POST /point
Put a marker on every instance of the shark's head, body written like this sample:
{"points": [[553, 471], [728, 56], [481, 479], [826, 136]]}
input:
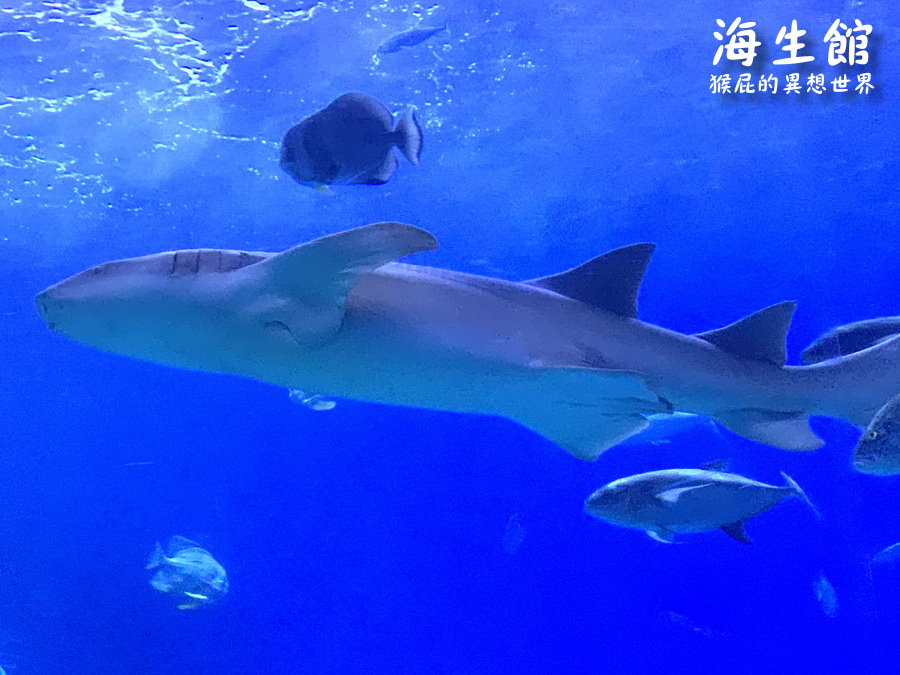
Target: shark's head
{"points": [[152, 308]]}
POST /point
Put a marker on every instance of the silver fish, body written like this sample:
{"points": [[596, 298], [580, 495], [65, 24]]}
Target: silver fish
{"points": [[187, 572], [851, 338], [826, 595], [669, 502], [878, 449], [409, 38]]}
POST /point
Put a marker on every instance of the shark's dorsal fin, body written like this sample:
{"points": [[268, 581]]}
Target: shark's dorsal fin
{"points": [[307, 285], [610, 281], [759, 336]]}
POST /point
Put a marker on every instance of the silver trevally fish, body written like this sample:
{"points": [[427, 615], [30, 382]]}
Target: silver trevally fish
{"points": [[851, 338], [826, 595], [564, 355], [350, 141], [878, 449], [187, 572], [669, 502], [409, 38]]}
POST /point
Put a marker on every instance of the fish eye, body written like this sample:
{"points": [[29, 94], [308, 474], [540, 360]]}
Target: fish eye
{"points": [[870, 435]]}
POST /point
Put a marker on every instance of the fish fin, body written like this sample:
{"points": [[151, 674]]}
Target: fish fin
{"points": [[718, 465], [322, 188], [662, 535], [306, 287], [759, 336], [672, 495], [410, 138], [736, 531], [179, 543], [587, 410], [797, 490], [157, 558], [610, 281], [382, 174], [783, 430]]}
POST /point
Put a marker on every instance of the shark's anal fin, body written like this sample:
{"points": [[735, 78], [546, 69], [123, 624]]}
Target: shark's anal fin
{"points": [[586, 410], [782, 430], [610, 281], [760, 336], [304, 289], [736, 531]]}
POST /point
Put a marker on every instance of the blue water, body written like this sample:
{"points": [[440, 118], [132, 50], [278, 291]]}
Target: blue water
{"points": [[372, 539]]}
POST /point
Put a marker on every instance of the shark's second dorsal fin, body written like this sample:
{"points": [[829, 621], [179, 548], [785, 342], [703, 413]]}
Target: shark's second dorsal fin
{"points": [[307, 285], [759, 336], [610, 281]]}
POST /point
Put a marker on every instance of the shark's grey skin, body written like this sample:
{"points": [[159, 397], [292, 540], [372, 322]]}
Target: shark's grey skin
{"points": [[564, 355], [187, 572], [665, 503], [878, 449], [851, 338], [408, 38], [350, 141]]}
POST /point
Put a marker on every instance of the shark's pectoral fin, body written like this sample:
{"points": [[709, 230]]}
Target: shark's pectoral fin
{"points": [[783, 430], [304, 289], [587, 410], [662, 535]]}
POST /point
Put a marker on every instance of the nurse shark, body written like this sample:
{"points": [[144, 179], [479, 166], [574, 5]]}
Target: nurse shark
{"points": [[564, 355]]}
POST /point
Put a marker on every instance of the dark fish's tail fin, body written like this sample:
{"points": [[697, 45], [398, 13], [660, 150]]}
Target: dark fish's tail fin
{"points": [[157, 558], [409, 136], [797, 490]]}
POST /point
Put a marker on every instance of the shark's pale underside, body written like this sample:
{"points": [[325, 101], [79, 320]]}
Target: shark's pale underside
{"points": [[564, 355]]}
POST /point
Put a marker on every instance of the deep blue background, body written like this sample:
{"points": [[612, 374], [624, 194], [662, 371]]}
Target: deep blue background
{"points": [[369, 538]]}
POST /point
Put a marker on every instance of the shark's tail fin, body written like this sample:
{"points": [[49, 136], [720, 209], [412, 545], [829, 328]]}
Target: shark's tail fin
{"points": [[797, 490]]}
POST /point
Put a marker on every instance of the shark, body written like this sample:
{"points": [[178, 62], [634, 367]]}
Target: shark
{"points": [[564, 355]]}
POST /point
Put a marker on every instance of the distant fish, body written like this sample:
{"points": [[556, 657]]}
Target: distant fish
{"points": [[664, 503], [311, 401], [513, 534], [850, 338], [888, 554], [826, 595], [187, 572], [349, 142], [878, 449], [665, 426], [408, 38]]}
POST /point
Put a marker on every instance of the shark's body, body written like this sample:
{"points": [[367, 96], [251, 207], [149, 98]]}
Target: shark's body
{"points": [[564, 355]]}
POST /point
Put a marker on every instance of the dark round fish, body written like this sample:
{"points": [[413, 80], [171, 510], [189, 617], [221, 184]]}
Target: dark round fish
{"points": [[878, 450], [851, 338], [350, 141]]}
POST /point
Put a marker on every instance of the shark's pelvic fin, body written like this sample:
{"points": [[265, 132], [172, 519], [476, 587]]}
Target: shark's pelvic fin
{"points": [[760, 336], [610, 281], [736, 531], [783, 430], [588, 410], [307, 286]]}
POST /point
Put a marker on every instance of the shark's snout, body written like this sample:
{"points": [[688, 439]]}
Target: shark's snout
{"points": [[47, 308]]}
